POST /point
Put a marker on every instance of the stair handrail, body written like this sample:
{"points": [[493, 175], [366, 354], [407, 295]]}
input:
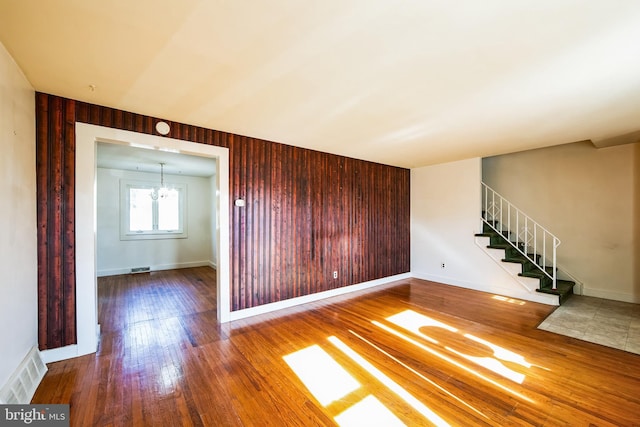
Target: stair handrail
{"points": [[531, 231]]}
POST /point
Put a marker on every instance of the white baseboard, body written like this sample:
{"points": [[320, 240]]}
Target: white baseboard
{"points": [[159, 267], [612, 295], [23, 383], [267, 308], [69, 351], [58, 354], [517, 292]]}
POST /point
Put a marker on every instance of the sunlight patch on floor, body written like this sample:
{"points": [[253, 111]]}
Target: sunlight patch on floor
{"points": [[493, 365], [414, 322], [450, 360], [509, 300], [501, 352], [321, 374], [328, 381], [421, 376], [388, 382], [369, 411]]}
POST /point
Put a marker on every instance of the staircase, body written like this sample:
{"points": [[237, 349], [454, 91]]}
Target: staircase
{"points": [[531, 245]]}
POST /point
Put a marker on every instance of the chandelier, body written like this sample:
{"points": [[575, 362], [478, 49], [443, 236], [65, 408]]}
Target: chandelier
{"points": [[162, 191]]}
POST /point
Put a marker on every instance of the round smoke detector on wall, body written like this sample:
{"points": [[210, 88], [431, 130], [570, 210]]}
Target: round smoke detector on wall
{"points": [[162, 128]]}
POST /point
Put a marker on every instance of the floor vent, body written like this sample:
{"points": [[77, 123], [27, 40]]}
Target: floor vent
{"points": [[24, 382], [140, 270]]}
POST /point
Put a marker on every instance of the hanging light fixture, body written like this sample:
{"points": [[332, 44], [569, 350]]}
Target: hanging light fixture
{"points": [[162, 191]]}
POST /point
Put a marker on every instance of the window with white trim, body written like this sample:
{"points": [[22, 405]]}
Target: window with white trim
{"points": [[149, 212]]}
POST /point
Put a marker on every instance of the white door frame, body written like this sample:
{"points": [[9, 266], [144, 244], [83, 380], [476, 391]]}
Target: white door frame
{"points": [[87, 137]]}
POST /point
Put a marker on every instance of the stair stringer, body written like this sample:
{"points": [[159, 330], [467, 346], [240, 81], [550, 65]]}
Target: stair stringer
{"points": [[526, 286]]}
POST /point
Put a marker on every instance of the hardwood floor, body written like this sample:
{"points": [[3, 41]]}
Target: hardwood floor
{"points": [[412, 352]]}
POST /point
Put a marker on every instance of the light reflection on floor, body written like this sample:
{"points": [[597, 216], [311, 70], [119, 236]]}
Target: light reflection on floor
{"points": [[170, 377], [321, 374], [328, 381], [493, 365], [371, 410], [451, 361], [388, 382], [416, 322], [419, 375], [145, 338], [412, 321], [501, 352], [509, 300]]}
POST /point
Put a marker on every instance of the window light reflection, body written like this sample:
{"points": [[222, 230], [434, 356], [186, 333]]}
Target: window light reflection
{"points": [[501, 352], [388, 382], [369, 411], [321, 374], [412, 321], [169, 378], [509, 300], [493, 365], [401, 363], [450, 360]]}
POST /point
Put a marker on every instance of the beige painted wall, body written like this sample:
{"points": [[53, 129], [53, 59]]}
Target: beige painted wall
{"points": [[445, 216], [115, 256], [18, 256], [585, 196]]}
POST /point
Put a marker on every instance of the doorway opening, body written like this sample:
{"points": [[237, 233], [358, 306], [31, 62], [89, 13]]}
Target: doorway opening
{"points": [[87, 139]]}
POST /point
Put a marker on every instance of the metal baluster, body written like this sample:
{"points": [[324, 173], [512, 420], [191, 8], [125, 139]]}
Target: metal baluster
{"points": [[509, 217], [493, 206], [501, 219], [525, 241], [554, 265], [517, 227], [535, 243], [526, 233], [544, 252]]}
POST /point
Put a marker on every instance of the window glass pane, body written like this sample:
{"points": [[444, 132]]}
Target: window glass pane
{"points": [[140, 209], [169, 211], [146, 217]]}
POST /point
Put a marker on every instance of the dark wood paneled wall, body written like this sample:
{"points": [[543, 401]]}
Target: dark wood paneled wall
{"points": [[307, 214], [55, 169]]}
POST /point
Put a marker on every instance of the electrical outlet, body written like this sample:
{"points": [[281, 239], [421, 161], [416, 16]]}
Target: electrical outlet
{"points": [[335, 274], [442, 265]]}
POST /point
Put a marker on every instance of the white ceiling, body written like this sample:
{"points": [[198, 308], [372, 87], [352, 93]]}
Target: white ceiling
{"points": [[406, 83], [124, 157]]}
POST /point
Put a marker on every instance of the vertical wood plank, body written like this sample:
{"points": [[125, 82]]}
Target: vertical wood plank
{"points": [[69, 253], [55, 318], [42, 194]]}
